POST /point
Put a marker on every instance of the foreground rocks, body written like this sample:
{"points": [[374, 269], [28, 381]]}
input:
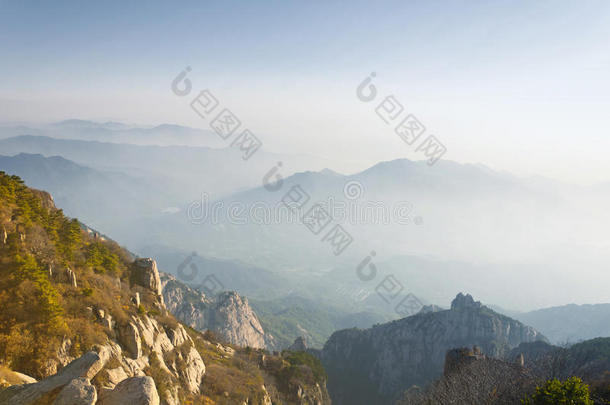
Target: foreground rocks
{"points": [[143, 344], [85, 367], [72, 386], [170, 351], [78, 392], [144, 273], [132, 391]]}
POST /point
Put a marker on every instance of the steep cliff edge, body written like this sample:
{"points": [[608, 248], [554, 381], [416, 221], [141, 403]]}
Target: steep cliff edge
{"points": [[376, 365]]}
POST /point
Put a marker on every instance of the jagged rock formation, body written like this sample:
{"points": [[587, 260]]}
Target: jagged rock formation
{"points": [[232, 317], [228, 315], [150, 344], [376, 365]]}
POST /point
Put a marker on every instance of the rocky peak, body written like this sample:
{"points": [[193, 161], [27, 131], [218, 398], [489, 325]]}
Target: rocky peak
{"points": [[46, 199], [231, 298], [464, 301], [235, 319], [229, 315]]}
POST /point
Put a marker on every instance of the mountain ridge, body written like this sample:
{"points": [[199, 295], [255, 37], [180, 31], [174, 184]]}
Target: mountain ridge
{"points": [[392, 357]]}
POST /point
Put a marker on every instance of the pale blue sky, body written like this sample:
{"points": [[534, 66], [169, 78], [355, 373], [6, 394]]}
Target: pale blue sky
{"points": [[517, 85]]}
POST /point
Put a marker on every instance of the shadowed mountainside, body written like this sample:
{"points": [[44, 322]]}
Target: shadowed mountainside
{"points": [[377, 365]]}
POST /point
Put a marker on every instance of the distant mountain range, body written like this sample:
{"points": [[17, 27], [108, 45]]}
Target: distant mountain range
{"points": [[464, 223], [116, 132], [296, 286], [97, 196], [570, 324]]}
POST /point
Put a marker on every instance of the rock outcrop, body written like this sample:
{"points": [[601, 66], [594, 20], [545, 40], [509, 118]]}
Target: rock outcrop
{"points": [[171, 349], [129, 336], [78, 392], [145, 273], [71, 277], [132, 391], [228, 315], [376, 365], [45, 198], [232, 317], [85, 367]]}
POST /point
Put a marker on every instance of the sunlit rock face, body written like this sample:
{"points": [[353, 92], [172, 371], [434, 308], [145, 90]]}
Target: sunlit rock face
{"points": [[229, 315]]}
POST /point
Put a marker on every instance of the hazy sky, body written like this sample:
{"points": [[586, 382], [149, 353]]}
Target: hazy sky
{"points": [[517, 85]]}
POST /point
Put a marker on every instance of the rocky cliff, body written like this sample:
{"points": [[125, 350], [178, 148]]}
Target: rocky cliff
{"points": [[228, 315], [376, 365], [82, 322]]}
